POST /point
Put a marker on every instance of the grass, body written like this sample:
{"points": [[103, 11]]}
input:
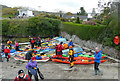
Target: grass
{"points": [[20, 40]]}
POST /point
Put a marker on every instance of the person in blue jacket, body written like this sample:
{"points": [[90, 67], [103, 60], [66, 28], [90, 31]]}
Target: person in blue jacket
{"points": [[97, 58], [70, 43]]}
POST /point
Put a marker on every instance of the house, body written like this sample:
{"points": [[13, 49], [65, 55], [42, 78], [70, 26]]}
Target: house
{"points": [[91, 15], [25, 13], [84, 18]]}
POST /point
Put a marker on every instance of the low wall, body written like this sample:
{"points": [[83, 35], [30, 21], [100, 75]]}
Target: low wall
{"points": [[91, 45]]}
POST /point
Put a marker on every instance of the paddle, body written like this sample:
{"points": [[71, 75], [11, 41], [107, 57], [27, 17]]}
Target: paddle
{"points": [[40, 74]]}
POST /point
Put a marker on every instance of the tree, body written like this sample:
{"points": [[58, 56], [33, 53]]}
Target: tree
{"points": [[69, 13], [82, 11], [109, 15], [78, 20]]}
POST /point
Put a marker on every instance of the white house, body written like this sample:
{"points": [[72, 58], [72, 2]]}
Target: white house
{"points": [[25, 13], [90, 15]]}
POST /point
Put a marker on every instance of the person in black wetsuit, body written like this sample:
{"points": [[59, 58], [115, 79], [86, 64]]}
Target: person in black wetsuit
{"points": [[39, 42], [28, 55]]}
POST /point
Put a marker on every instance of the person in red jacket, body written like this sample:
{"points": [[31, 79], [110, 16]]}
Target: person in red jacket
{"points": [[22, 77], [59, 50], [6, 52], [35, 38], [32, 43]]}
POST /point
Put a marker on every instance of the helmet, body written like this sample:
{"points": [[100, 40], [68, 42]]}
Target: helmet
{"points": [[20, 71], [70, 46], [33, 58]]}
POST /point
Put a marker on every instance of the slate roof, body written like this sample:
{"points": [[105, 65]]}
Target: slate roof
{"points": [[74, 16]]}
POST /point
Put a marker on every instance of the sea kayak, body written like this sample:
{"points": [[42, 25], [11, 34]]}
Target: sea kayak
{"points": [[77, 58], [86, 62], [80, 54], [84, 55], [22, 58]]}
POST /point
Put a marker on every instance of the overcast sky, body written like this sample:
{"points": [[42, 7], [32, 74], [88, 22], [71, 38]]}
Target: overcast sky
{"points": [[54, 5]]}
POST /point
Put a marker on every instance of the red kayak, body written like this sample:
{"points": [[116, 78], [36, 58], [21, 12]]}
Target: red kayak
{"points": [[77, 58], [75, 62]]}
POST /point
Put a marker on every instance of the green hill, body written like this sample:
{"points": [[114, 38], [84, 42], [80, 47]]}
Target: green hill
{"points": [[9, 12]]}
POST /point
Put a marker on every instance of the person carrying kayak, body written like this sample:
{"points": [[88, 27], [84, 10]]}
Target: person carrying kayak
{"points": [[32, 43], [22, 77], [97, 58], [33, 69], [70, 43], [16, 46], [7, 52], [9, 43], [28, 55], [59, 50], [71, 56]]}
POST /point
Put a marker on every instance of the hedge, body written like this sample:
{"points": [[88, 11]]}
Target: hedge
{"points": [[101, 34], [85, 32], [33, 26]]}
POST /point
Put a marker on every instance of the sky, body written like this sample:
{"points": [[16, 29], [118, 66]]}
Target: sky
{"points": [[54, 5]]}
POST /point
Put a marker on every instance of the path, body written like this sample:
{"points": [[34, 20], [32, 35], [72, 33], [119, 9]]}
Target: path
{"points": [[52, 70]]}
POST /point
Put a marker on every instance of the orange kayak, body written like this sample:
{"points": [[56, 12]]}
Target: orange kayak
{"points": [[75, 62], [77, 58]]}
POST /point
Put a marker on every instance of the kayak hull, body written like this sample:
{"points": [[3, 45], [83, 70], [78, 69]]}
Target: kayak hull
{"points": [[75, 62], [80, 57]]}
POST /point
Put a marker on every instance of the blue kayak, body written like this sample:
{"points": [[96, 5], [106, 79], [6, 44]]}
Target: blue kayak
{"points": [[77, 49]]}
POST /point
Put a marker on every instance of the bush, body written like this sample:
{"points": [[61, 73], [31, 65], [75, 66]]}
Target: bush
{"points": [[78, 20], [34, 26], [101, 34], [14, 27], [107, 41], [85, 32], [89, 23]]}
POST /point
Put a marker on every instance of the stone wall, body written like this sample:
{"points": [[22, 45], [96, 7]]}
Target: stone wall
{"points": [[91, 45]]}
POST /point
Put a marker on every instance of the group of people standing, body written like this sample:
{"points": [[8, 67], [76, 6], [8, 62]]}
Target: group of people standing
{"points": [[97, 56], [35, 41], [61, 47], [7, 48], [32, 65], [71, 52], [32, 70]]}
